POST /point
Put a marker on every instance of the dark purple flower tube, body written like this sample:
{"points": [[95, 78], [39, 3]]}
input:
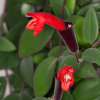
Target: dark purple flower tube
{"points": [[68, 35], [58, 90]]}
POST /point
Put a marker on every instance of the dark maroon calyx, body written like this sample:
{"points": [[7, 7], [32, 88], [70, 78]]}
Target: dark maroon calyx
{"points": [[68, 36]]}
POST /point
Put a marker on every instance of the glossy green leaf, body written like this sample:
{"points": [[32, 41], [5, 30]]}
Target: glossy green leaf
{"points": [[2, 87], [57, 7], [67, 52], [98, 98], [86, 70], [55, 51], [70, 5], [98, 16], [25, 96], [16, 80], [12, 60], [15, 32], [90, 26], [88, 89], [25, 8], [84, 10], [12, 97], [30, 45], [37, 58], [73, 18], [14, 17], [92, 55], [26, 70], [69, 60], [66, 96], [40, 98], [12, 6], [78, 21], [6, 45], [43, 77], [32, 2]]}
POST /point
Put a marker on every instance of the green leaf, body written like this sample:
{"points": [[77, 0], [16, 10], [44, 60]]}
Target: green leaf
{"points": [[6, 45], [30, 45], [37, 58], [88, 89], [2, 87], [32, 2], [12, 60], [15, 32], [98, 16], [68, 52], [12, 97], [90, 26], [55, 51], [26, 70], [16, 80], [43, 76], [14, 17], [84, 10], [66, 96], [57, 7], [70, 5], [92, 55], [25, 8], [86, 70], [40, 98], [25, 96], [69, 60], [78, 21]]}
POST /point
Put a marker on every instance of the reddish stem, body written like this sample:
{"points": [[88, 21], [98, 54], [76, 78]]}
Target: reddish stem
{"points": [[7, 75], [77, 58], [23, 85], [94, 46], [43, 4], [60, 40]]}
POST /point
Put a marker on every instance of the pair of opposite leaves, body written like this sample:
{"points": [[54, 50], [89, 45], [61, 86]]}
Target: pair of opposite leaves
{"points": [[66, 31]]}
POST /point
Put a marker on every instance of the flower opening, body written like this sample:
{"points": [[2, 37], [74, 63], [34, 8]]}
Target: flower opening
{"points": [[65, 75]]}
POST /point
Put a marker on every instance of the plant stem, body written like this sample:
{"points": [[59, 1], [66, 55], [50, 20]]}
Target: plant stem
{"points": [[23, 85], [7, 75], [35, 8], [60, 40], [77, 58], [94, 46], [1, 28], [62, 12], [91, 44], [43, 4]]}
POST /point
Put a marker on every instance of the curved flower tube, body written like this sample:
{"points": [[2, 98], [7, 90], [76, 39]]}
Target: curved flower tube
{"points": [[65, 75], [41, 18]]}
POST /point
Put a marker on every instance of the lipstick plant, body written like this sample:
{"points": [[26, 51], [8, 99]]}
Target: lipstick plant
{"points": [[52, 49]]}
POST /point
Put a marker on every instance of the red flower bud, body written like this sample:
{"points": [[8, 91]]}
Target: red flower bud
{"points": [[40, 18], [65, 75]]}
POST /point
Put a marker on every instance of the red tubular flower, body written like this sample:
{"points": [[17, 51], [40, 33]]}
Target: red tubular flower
{"points": [[65, 75], [40, 18]]}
